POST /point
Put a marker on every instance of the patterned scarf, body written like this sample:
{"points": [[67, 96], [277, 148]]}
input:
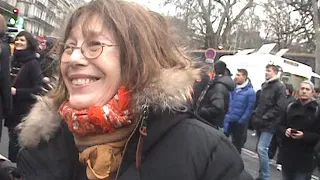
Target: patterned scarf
{"points": [[111, 121], [99, 119]]}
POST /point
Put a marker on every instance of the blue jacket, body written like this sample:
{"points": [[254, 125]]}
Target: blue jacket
{"points": [[242, 103]]}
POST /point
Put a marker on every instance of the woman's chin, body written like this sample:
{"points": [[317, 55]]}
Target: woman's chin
{"points": [[81, 102]]}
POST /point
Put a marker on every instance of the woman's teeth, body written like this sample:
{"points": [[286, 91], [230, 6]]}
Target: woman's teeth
{"points": [[83, 81]]}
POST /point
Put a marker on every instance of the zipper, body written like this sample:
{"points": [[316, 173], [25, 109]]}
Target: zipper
{"points": [[125, 147], [142, 118]]}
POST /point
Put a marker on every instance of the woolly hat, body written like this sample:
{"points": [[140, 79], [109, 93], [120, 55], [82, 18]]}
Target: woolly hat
{"points": [[220, 67]]}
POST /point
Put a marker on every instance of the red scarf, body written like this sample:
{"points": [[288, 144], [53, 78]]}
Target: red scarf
{"points": [[99, 119]]}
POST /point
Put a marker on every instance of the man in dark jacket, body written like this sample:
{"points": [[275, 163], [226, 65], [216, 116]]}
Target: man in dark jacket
{"points": [[299, 130], [213, 102], [5, 79], [275, 140], [270, 108], [242, 102]]}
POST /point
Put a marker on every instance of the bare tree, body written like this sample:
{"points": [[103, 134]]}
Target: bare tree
{"points": [[310, 11], [211, 20], [283, 25], [316, 24], [246, 32]]}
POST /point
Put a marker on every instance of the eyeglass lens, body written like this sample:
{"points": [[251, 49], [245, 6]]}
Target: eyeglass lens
{"points": [[91, 49]]}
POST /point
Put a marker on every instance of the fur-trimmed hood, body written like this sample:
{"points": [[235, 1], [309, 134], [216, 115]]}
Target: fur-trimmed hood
{"points": [[170, 90]]}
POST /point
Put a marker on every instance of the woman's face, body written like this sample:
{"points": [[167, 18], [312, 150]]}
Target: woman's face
{"points": [[90, 81], [21, 43]]}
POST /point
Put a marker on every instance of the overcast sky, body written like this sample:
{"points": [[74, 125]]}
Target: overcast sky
{"points": [[157, 6]]}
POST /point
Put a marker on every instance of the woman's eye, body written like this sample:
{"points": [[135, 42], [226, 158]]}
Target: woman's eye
{"points": [[68, 49], [93, 46]]}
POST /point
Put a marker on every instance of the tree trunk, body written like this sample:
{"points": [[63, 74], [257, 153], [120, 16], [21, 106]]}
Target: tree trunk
{"points": [[317, 31]]}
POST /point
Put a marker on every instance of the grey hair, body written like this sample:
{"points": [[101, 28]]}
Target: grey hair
{"points": [[308, 82]]}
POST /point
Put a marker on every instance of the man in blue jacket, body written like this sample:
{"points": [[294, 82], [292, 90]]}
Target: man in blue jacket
{"points": [[242, 102]]}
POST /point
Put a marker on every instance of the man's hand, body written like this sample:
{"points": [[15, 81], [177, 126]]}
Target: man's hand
{"points": [[8, 171], [288, 132], [297, 135], [13, 91]]}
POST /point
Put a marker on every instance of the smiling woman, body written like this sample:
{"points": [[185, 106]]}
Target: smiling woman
{"points": [[120, 109]]}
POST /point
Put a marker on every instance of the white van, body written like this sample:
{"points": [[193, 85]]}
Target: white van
{"points": [[255, 63]]}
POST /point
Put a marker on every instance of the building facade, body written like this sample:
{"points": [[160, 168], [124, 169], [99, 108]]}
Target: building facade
{"points": [[41, 17], [6, 8]]}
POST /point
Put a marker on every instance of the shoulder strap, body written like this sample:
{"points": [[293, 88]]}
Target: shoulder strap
{"points": [[17, 76], [288, 107], [203, 93]]}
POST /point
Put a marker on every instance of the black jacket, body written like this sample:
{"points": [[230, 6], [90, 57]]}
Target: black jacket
{"points": [[5, 83], [270, 107], [28, 84], [176, 147], [297, 154], [215, 104], [290, 99]]}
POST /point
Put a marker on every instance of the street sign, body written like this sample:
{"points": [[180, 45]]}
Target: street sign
{"points": [[210, 53], [210, 61]]}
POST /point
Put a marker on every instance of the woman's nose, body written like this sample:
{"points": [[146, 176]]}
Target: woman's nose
{"points": [[77, 59]]}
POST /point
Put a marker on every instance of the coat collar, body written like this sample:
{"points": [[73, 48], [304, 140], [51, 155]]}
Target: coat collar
{"points": [[170, 91]]}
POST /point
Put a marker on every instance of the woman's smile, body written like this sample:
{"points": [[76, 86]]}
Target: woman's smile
{"points": [[83, 80]]}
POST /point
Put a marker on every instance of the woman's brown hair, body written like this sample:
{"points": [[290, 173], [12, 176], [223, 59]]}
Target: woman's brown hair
{"points": [[145, 44], [3, 24]]}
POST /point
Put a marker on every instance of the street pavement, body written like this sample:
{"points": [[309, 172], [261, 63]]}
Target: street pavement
{"points": [[250, 158]]}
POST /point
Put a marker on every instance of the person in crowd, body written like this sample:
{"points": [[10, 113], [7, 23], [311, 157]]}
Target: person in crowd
{"points": [[119, 110], [204, 78], [270, 108], [48, 63], [299, 130], [5, 88], [242, 102], [276, 142], [48, 58], [317, 94], [213, 102], [27, 81]]}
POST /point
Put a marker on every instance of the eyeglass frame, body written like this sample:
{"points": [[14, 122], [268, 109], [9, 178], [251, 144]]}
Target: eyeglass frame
{"points": [[82, 51]]}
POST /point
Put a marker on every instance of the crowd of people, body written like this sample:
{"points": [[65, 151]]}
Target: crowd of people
{"points": [[128, 103], [23, 75]]}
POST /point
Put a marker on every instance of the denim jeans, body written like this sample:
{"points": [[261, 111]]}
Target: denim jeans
{"points": [[263, 148], [294, 175]]}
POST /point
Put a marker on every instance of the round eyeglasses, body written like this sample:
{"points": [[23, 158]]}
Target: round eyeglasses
{"points": [[89, 49]]}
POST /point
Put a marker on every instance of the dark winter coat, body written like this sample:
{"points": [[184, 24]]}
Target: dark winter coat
{"points": [[27, 84], [177, 146], [270, 107], [215, 103], [5, 83], [297, 154], [242, 103]]}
